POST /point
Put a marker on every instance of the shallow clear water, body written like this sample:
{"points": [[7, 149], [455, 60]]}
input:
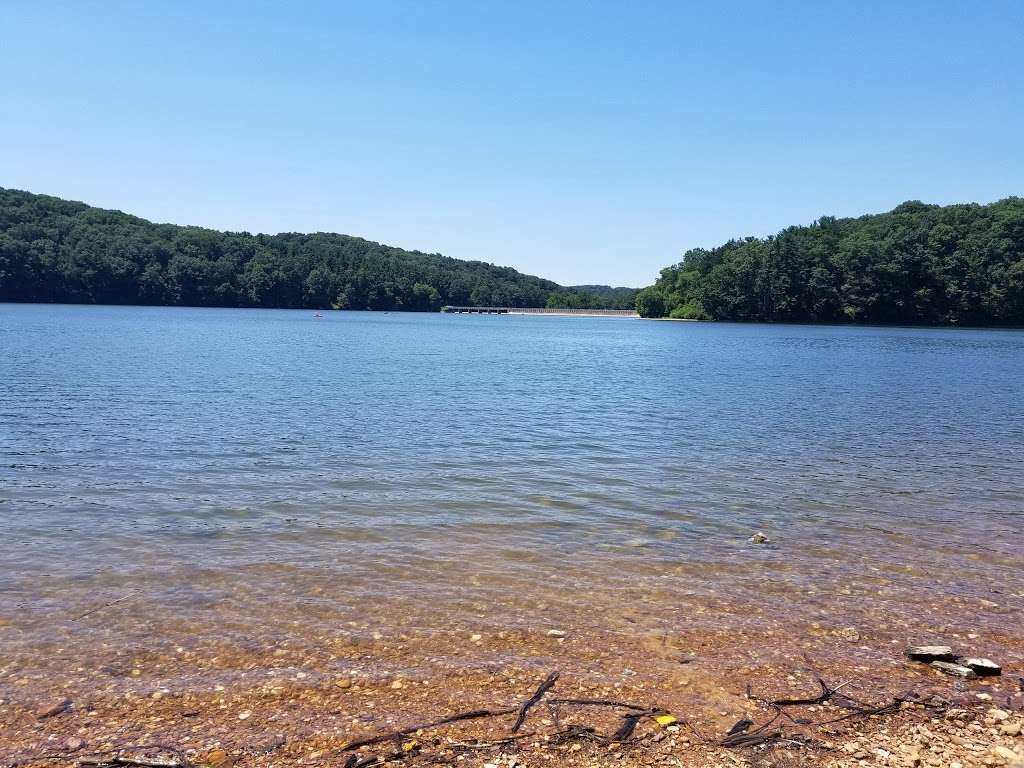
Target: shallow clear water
{"points": [[269, 464]]}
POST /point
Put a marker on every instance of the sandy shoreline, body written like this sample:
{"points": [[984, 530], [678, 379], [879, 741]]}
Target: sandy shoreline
{"points": [[204, 701]]}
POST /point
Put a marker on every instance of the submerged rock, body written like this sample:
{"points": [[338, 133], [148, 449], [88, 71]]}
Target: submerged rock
{"points": [[930, 653], [759, 538], [53, 708], [984, 667], [956, 670]]}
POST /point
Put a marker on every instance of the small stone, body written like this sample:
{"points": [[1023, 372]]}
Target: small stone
{"points": [[397, 685], [54, 708], [759, 538], [244, 714], [556, 633], [475, 638], [343, 682], [1010, 729], [930, 653], [955, 670], [850, 633], [984, 667], [984, 696], [216, 757], [1007, 755], [74, 743], [999, 715]]}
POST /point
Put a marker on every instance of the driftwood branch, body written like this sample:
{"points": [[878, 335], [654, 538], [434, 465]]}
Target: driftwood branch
{"points": [[471, 715], [98, 608], [544, 687]]}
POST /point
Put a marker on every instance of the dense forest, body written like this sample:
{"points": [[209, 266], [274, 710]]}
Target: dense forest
{"points": [[54, 250], [918, 264], [593, 297]]}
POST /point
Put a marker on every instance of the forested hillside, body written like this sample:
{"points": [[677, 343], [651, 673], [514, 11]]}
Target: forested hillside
{"points": [[918, 264], [54, 250], [593, 297]]}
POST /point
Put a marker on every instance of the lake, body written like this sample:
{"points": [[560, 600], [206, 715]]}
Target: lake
{"points": [[246, 478]]}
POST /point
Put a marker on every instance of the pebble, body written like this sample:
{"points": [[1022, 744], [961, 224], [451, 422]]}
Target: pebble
{"points": [[74, 743], [244, 715], [759, 538], [1010, 729], [475, 638], [999, 715], [397, 684], [556, 633], [343, 682]]}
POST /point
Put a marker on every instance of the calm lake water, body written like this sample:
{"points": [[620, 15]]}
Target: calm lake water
{"points": [[274, 467]]}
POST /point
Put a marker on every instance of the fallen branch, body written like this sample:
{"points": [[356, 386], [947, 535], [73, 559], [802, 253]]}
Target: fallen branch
{"points": [[107, 605], [133, 761], [137, 759], [826, 694], [471, 715], [741, 726], [544, 687], [629, 723], [604, 703]]}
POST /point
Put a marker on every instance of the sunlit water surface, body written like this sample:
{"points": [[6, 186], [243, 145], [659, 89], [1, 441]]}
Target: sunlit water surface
{"points": [[272, 470]]}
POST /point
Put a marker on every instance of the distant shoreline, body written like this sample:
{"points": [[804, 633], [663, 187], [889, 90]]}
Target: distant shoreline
{"points": [[518, 311]]}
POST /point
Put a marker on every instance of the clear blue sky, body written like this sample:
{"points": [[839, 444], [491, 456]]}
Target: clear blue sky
{"points": [[589, 142]]}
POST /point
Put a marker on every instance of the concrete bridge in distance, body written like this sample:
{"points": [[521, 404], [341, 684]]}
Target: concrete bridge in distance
{"points": [[540, 311]]}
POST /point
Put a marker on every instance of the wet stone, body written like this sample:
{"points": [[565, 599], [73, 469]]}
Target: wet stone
{"points": [[956, 670], [53, 708], [930, 653], [984, 667]]}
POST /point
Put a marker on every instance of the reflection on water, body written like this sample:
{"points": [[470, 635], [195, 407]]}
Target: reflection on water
{"points": [[265, 469]]}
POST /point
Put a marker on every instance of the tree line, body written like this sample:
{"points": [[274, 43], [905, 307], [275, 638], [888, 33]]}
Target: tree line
{"points": [[918, 264], [54, 250]]}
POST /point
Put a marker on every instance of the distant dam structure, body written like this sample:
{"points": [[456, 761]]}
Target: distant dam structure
{"points": [[540, 311]]}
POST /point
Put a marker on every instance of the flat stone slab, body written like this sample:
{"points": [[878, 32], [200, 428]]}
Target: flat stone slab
{"points": [[956, 670], [983, 667], [930, 653]]}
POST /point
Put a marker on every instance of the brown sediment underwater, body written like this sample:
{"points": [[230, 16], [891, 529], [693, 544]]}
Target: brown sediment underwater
{"points": [[254, 678]]}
